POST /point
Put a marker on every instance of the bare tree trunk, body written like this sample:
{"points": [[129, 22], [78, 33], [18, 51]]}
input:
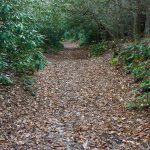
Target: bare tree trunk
{"points": [[147, 24], [135, 26], [141, 21]]}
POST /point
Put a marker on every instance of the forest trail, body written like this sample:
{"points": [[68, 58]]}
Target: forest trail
{"points": [[79, 106]]}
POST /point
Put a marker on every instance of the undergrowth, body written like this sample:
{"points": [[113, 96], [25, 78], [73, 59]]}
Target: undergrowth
{"points": [[20, 41], [97, 49], [135, 59]]}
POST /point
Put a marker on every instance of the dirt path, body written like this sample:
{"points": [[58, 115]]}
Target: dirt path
{"points": [[70, 46], [79, 106]]}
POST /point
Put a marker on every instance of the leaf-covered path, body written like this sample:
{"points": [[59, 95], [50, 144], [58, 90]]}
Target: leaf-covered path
{"points": [[79, 106]]}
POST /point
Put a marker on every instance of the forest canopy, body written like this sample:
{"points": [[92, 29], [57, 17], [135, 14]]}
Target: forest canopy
{"points": [[87, 20]]}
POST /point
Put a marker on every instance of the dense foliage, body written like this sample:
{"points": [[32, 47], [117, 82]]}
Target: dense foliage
{"points": [[136, 58], [49, 19], [97, 49], [107, 19], [19, 39]]}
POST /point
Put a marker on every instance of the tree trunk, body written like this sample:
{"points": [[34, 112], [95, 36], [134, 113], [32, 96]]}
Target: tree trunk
{"points": [[137, 20], [147, 24], [135, 26]]}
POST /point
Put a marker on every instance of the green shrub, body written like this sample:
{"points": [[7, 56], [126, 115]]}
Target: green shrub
{"points": [[136, 60], [114, 61], [141, 102], [134, 54], [131, 105], [29, 64], [3, 62], [82, 39], [5, 80], [141, 71], [49, 21], [145, 85], [97, 49], [19, 38]]}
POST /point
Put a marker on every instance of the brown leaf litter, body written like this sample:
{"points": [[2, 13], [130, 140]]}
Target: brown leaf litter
{"points": [[79, 105]]}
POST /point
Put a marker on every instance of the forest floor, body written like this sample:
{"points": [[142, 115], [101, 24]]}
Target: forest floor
{"points": [[79, 105]]}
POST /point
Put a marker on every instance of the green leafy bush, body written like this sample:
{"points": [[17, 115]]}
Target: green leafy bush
{"points": [[134, 54], [3, 62], [5, 80], [97, 49], [82, 39], [136, 59], [30, 64], [114, 61], [141, 71], [142, 101], [19, 38], [50, 23], [145, 85]]}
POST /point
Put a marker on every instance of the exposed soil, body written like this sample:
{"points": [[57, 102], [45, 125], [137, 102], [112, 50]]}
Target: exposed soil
{"points": [[70, 45], [79, 105]]}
